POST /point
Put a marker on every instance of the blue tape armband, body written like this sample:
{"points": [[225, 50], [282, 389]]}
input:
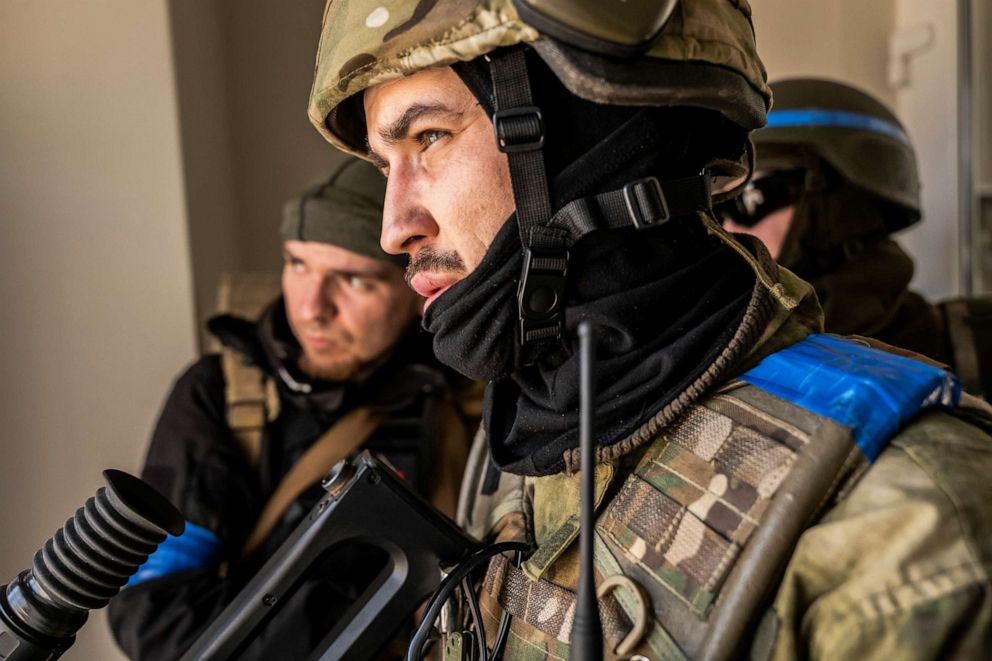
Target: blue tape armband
{"points": [[873, 392], [197, 547]]}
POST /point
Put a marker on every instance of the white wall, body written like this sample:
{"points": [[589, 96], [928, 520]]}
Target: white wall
{"points": [[95, 299]]}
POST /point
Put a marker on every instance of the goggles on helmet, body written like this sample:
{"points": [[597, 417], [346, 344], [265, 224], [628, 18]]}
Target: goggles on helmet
{"points": [[762, 196]]}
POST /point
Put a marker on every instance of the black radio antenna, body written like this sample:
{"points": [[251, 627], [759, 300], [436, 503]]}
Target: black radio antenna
{"points": [[587, 629]]}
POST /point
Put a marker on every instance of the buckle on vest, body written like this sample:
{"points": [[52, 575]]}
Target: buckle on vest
{"points": [[646, 202], [541, 295], [519, 129]]}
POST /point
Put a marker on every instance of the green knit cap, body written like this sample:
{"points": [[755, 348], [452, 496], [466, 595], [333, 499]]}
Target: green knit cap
{"points": [[344, 211]]}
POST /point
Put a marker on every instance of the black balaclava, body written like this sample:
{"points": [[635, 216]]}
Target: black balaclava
{"points": [[839, 241], [666, 301], [831, 215]]}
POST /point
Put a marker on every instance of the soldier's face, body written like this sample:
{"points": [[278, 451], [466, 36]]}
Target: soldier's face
{"points": [[449, 186], [345, 309]]}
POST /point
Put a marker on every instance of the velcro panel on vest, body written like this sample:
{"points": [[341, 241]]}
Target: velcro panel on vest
{"points": [[685, 522], [873, 392], [693, 502], [557, 526]]}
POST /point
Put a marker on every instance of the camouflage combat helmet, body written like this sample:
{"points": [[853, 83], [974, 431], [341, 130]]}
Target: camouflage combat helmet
{"points": [[692, 53], [673, 53], [848, 129]]}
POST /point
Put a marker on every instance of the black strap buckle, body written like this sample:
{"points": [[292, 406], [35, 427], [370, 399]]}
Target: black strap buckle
{"points": [[646, 202], [541, 295], [519, 129]]}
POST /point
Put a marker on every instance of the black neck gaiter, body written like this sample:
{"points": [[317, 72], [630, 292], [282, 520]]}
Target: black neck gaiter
{"points": [[665, 301]]}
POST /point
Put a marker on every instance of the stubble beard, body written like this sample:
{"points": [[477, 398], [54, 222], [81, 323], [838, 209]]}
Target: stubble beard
{"points": [[338, 369]]}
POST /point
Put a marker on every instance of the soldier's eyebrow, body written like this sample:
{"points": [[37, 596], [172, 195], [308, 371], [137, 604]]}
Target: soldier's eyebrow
{"points": [[378, 161], [398, 130]]}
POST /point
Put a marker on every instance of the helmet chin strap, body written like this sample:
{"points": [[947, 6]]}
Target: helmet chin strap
{"points": [[546, 236], [519, 128]]}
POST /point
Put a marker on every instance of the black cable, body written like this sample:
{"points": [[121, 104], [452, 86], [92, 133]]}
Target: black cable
{"points": [[504, 621], [415, 651], [482, 653]]}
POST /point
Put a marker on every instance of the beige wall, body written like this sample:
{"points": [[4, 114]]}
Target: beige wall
{"points": [[928, 107], [207, 162], [842, 39], [269, 52], [243, 71], [95, 299], [982, 36]]}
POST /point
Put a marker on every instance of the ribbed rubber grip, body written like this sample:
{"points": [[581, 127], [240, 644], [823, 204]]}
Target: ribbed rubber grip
{"points": [[92, 556]]}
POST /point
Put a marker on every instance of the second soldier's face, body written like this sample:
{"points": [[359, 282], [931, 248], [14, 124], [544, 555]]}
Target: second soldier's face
{"points": [[346, 310], [448, 190], [770, 230]]}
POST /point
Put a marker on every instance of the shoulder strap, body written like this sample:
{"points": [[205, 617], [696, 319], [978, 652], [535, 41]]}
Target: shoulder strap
{"points": [[334, 445], [447, 445], [250, 396], [969, 330], [250, 400]]}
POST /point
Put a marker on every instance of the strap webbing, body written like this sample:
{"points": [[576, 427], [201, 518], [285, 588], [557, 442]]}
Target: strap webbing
{"points": [[642, 204], [546, 606], [250, 399], [334, 445], [520, 134], [519, 129]]}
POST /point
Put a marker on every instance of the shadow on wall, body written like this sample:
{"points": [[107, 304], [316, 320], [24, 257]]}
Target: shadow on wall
{"points": [[243, 74]]}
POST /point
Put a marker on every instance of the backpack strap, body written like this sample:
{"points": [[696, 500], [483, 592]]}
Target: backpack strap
{"points": [[250, 399], [333, 445], [250, 396], [969, 331]]}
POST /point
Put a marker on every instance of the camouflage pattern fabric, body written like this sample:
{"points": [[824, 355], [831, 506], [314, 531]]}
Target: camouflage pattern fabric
{"points": [[696, 497], [367, 42], [549, 607], [891, 561], [900, 567], [903, 549]]}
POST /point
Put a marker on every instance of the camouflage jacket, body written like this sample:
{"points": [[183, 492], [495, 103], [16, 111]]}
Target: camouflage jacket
{"points": [[752, 524]]}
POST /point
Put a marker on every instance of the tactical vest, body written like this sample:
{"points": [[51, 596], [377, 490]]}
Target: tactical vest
{"points": [[694, 533]]}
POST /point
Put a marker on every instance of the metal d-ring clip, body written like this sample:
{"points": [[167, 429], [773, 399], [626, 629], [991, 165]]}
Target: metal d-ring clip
{"points": [[640, 622]]}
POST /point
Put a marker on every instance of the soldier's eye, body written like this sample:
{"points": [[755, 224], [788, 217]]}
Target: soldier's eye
{"points": [[429, 137], [359, 283]]}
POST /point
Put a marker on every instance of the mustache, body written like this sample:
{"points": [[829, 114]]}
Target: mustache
{"points": [[431, 259]]}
